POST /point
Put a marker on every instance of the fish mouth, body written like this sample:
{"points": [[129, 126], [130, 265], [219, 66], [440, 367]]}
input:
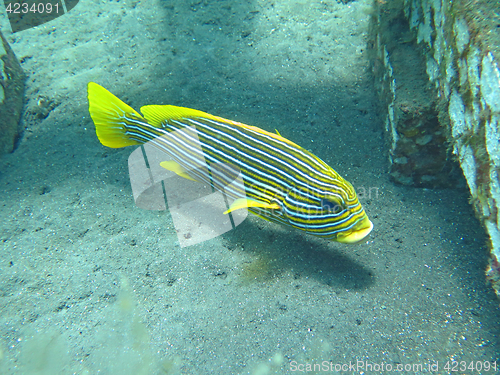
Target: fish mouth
{"points": [[357, 233]]}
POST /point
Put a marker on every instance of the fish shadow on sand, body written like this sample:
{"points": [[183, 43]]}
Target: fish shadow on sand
{"points": [[276, 252]]}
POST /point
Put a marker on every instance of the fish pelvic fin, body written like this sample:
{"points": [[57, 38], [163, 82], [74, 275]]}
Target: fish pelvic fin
{"points": [[111, 116], [247, 202], [175, 167]]}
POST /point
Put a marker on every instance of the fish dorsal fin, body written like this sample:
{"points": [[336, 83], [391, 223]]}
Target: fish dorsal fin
{"points": [[156, 115], [265, 132], [247, 202]]}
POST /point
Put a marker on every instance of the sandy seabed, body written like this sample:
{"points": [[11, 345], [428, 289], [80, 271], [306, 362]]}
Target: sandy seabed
{"points": [[90, 283]]}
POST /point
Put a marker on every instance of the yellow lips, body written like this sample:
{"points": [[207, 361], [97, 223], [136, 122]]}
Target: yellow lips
{"points": [[357, 233]]}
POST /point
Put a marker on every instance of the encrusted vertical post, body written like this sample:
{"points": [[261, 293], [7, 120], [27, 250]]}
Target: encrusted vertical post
{"points": [[459, 47]]}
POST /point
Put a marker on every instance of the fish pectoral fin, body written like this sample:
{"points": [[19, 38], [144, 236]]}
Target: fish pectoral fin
{"points": [[277, 132], [247, 202], [176, 168]]}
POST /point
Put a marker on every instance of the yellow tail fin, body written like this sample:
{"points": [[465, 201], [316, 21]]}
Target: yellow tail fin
{"points": [[110, 115]]}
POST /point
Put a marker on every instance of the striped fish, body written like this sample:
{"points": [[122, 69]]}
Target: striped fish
{"points": [[283, 182]]}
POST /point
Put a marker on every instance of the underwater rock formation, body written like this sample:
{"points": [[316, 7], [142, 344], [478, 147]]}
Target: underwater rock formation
{"points": [[12, 80], [459, 47]]}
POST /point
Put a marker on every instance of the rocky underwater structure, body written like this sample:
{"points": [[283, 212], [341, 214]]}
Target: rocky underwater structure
{"points": [[436, 67]]}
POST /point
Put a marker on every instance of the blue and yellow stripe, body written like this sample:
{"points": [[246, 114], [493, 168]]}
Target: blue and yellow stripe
{"points": [[284, 182]]}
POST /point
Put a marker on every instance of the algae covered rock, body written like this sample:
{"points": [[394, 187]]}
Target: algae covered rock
{"points": [[12, 80], [454, 116], [419, 151]]}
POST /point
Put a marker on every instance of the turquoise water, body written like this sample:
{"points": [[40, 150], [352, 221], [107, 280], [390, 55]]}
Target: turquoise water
{"points": [[90, 283]]}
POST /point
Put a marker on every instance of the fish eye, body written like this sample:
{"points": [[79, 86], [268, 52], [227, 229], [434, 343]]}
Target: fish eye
{"points": [[332, 207]]}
